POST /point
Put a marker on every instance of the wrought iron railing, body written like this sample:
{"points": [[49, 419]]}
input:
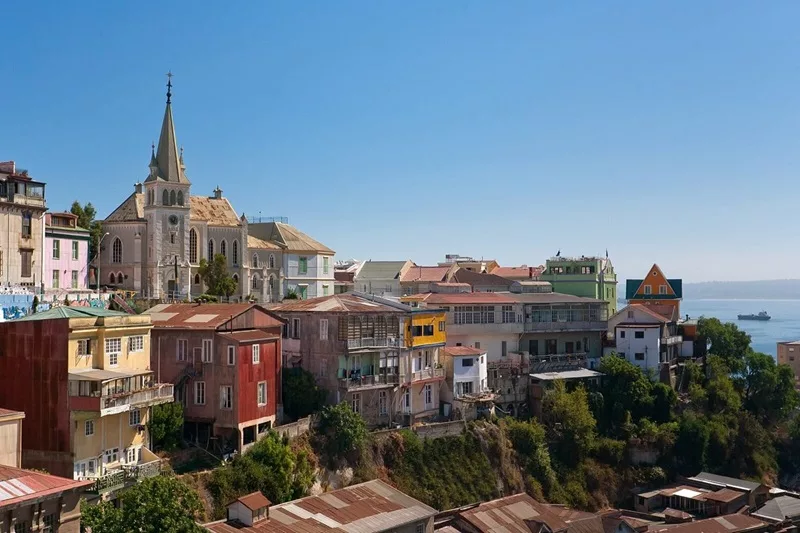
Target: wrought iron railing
{"points": [[369, 381], [373, 342]]}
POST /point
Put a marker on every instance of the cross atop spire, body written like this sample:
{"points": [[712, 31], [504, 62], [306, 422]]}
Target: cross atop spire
{"points": [[169, 87]]}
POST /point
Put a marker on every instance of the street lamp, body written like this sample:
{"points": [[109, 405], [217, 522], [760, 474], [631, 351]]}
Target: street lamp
{"points": [[106, 234]]}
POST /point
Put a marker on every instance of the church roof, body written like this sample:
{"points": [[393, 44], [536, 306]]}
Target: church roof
{"points": [[214, 211], [291, 238], [255, 242], [168, 159]]}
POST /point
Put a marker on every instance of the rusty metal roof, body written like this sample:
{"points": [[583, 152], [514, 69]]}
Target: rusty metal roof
{"points": [[732, 523], [254, 501], [200, 316], [464, 298], [368, 507], [509, 515], [425, 273], [457, 351], [336, 303], [248, 335], [18, 486]]}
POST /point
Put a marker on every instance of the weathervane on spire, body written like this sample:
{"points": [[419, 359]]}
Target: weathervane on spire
{"points": [[169, 87]]}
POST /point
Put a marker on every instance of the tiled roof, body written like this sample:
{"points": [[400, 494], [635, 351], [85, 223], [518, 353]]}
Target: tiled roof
{"points": [[214, 211], [425, 273], [458, 351], [130, 210], [18, 486], [335, 303], [380, 270], [463, 275], [261, 244], [364, 508], [732, 523], [202, 316], [288, 237], [519, 272], [254, 501], [464, 298]]}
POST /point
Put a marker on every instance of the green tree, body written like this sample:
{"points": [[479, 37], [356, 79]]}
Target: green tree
{"points": [[627, 389], [343, 432], [769, 389], [215, 276], [158, 504], [691, 444], [86, 220], [291, 294], [726, 340], [301, 394], [530, 443], [166, 425], [569, 422]]}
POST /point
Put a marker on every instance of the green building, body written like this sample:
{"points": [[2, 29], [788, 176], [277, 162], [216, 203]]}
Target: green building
{"points": [[590, 277]]}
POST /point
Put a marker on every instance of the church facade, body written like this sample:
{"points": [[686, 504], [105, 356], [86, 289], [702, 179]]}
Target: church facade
{"points": [[154, 241]]}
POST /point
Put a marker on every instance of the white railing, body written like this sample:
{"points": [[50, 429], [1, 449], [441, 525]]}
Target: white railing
{"points": [[672, 339], [428, 373], [372, 342], [578, 325], [369, 381], [161, 393]]}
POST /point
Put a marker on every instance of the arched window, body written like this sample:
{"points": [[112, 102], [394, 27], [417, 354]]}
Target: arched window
{"points": [[112, 279], [120, 279], [236, 279], [254, 261], [192, 246], [223, 248], [165, 198], [197, 279], [116, 251], [210, 250], [272, 284], [235, 250], [172, 199], [180, 197], [254, 285], [271, 261]]}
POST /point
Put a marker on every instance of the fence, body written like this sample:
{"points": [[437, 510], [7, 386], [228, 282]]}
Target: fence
{"points": [[295, 429]]}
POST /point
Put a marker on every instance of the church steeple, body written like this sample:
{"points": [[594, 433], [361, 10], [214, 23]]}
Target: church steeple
{"points": [[167, 157]]}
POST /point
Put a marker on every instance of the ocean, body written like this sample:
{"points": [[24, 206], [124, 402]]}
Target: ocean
{"points": [[784, 326]]}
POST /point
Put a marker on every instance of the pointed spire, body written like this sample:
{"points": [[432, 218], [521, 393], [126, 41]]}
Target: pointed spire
{"points": [[167, 157]]}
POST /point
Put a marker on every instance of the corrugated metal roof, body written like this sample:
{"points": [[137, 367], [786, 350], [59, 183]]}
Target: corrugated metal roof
{"points": [[254, 501], [97, 374], [457, 351], [200, 316], [248, 335], [731, 523], [780, 508], [583, 373], [336, 303], [464, 298], [380, 270], [551, 298], [463, 275], [18, 485], [508, 515], [55, 313], [726, 481], [425, 273]]}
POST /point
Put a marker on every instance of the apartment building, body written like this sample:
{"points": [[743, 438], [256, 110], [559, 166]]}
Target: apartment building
{"points": [[789, 354], [646, 337], [466, 386], [22, 208], [66, 256], [586, 276], [379, 356], [225, 363], [381, 278], [82, 376]]}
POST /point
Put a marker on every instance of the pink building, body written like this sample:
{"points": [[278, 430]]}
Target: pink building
{"points": [[66, 254]]}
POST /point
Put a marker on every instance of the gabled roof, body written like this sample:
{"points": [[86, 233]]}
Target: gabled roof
{"points": [[130, 210], [55, 313], [518, 272], [338, 303], [462, 298], [632, 287], [510, 514], [461, 351], [214, 211], [463, 275], [715, 479], [650, 315], [18, 486], [288, 237], [254, 501], [780, 508], [380, 270], [260, 244], [425, 273], [204, 316]]}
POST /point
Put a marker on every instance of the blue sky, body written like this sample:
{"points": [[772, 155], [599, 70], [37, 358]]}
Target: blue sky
{"points": [[666, 132]]}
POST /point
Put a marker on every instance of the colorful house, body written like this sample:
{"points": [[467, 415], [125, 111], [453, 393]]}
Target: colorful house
{"points": [[66, 255], [655, 289], [589, 277]]}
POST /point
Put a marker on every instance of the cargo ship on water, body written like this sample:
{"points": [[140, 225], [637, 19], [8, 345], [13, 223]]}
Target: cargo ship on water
{"points": [[763, 315]]}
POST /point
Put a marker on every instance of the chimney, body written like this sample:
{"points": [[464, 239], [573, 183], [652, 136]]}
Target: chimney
{"points": [[217, 193], [530, 272], [137, 187], [8, 167]]}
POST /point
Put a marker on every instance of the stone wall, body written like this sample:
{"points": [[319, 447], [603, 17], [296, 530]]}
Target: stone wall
{"points": [[295, 429]]}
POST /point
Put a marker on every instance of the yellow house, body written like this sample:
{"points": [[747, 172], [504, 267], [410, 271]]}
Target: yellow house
{"points": [[111, 390], [421, 372]]}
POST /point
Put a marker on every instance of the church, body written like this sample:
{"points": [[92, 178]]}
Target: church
{"points": [[154, 241]]}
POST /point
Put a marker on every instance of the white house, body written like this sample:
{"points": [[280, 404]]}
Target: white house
{"points": [[466, 379], [645, 338]]}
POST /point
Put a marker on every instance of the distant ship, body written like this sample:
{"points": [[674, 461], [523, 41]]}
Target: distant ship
{"points": [[760, 316]]}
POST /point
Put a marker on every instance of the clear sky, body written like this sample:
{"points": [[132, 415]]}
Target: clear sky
{"points": [[666, 132]]}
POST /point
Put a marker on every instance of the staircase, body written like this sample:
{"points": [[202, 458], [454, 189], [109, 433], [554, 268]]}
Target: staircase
{"points": [[122, 304]]}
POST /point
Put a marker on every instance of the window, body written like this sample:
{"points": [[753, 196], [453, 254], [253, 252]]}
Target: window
{"points": [[180, 197], [254, 260], [441, 325], [428, 390], [22, 527], [192, 246], [74, 280], [172, 198], [254, 282], [84, 347], [26, 262], [638, 334], [587, 270], [622, 334], [662, 289], [111, 455], [172, 238], [223, 248], [648, 289], [136, 344], [406, 402], [504, 348], [236, 280], [325, 264], [113, 348], [427, 330], [302, 291], [207, 356], [262, 393], [382, 402], [355, 402], [467, 361], [183, 349], [302, 267], [119, 278], [200, 393], [295, 328], [48, 523], [210, 250], [134, 417], [271, 261], [197, 279], [116, 250], [231, 355], [323, 329], [235, 252], [509, 317], [639, 356], [55, 278], [226, 397], [56, 249], [26, 226], [473, 314], [326, 289], [463, 387], [256, 354], [132, 455], [88, 428]]}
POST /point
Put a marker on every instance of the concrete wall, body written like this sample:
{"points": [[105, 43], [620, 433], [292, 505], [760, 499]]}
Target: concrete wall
{"points": [[11, 241], [648, 346], [295, 429]]}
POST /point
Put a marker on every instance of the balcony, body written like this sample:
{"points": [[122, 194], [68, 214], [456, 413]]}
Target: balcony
{"points": [[373, 342], [29, 200], [120, 403], [546, 327], [363, 382], [421, 375], [671, 340], [125, 476]]}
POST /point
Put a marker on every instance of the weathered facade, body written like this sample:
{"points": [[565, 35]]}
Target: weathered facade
{"points": [[66, 255], [588, 277], [225, 363]]}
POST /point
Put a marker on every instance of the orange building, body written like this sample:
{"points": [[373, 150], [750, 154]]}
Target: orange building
{"points": [[656, 290]]}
